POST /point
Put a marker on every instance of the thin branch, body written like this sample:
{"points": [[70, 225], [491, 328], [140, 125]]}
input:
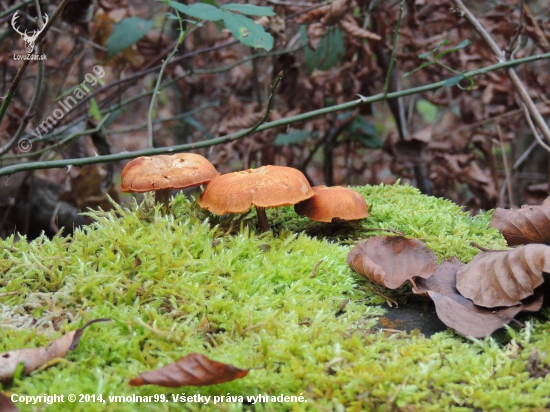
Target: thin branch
{"points": [[525, 155], [8, 170], [23, 67], [291, 3], [484, 249], [534, 129], [509, 50], [506, 167], [394, 47], [522, 91], [183, 34], [16, 7]]}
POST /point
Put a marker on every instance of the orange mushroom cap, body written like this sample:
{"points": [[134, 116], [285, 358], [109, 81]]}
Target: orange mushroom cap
{"points": [[333, 202], [178, 171], [267, 186]]}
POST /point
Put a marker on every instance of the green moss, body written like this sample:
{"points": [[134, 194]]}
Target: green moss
{"points": [[263, 309]]}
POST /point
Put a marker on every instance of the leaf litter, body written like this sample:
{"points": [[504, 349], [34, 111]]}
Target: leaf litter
{"points": [[34, 358], [474, 299]]}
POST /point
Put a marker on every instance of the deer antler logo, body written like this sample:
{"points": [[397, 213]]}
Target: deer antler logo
{"points": [[29, 40]]}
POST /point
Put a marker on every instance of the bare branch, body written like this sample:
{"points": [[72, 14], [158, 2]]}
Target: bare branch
{"points": [[522, 91]]}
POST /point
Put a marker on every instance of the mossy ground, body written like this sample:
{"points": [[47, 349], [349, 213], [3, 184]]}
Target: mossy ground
{"points": [[158, 276]]}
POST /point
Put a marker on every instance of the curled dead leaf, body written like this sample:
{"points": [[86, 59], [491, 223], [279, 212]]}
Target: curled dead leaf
{"points": [[194, 369], [392, 260], [530, 224], [504, 278], [33, 358], [462, 314]]}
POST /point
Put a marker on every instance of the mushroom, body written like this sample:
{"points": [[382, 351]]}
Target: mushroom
{"points": [[267, 186], [333, 202], [164, 172]]}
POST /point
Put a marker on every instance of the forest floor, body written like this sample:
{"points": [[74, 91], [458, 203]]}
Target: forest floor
{"points": [[185, 282]]}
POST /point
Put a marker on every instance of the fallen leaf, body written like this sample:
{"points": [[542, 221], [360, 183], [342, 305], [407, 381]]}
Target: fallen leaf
{"points": [[530, 224], [462, 314], [6, 404], [33, 358], [392, 260], [504, 278], [194, 369]]}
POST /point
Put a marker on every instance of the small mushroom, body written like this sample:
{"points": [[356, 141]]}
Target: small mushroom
{"points": [[164, 172], [334, 202], [267, 186]]}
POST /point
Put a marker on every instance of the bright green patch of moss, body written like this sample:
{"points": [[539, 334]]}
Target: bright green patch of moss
{"points": [[263, 309]]}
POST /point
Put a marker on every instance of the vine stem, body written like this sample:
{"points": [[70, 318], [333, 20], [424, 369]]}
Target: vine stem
{"points": [[183, 34], [394, 47], [8, 170]]}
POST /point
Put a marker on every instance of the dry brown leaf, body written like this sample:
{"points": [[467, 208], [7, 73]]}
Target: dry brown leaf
{"points": [[504, 278], [33, 358], [392, 260], [460, 313], [530, 224], [6, 404], [350, 26], [194, 369]]}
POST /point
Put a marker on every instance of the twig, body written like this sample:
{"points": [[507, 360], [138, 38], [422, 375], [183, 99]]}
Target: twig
{"points": [[377, 229], [256, 84], [183, 34], [291, 3], [522, 91], [484, 249], [510, 48], [506, 167], [16, 7], [314, 271], [8, 170], [388, 300], [394, 47], [534, 129], [25, 64], [525, 155]]}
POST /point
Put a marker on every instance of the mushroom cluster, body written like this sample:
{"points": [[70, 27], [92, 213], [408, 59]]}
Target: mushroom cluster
{"points": [[264, 187]]}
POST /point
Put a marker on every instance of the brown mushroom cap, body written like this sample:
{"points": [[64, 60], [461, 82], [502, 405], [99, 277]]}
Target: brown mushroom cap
{"points": [[333, 202], [267, 186], [178, 171]]}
